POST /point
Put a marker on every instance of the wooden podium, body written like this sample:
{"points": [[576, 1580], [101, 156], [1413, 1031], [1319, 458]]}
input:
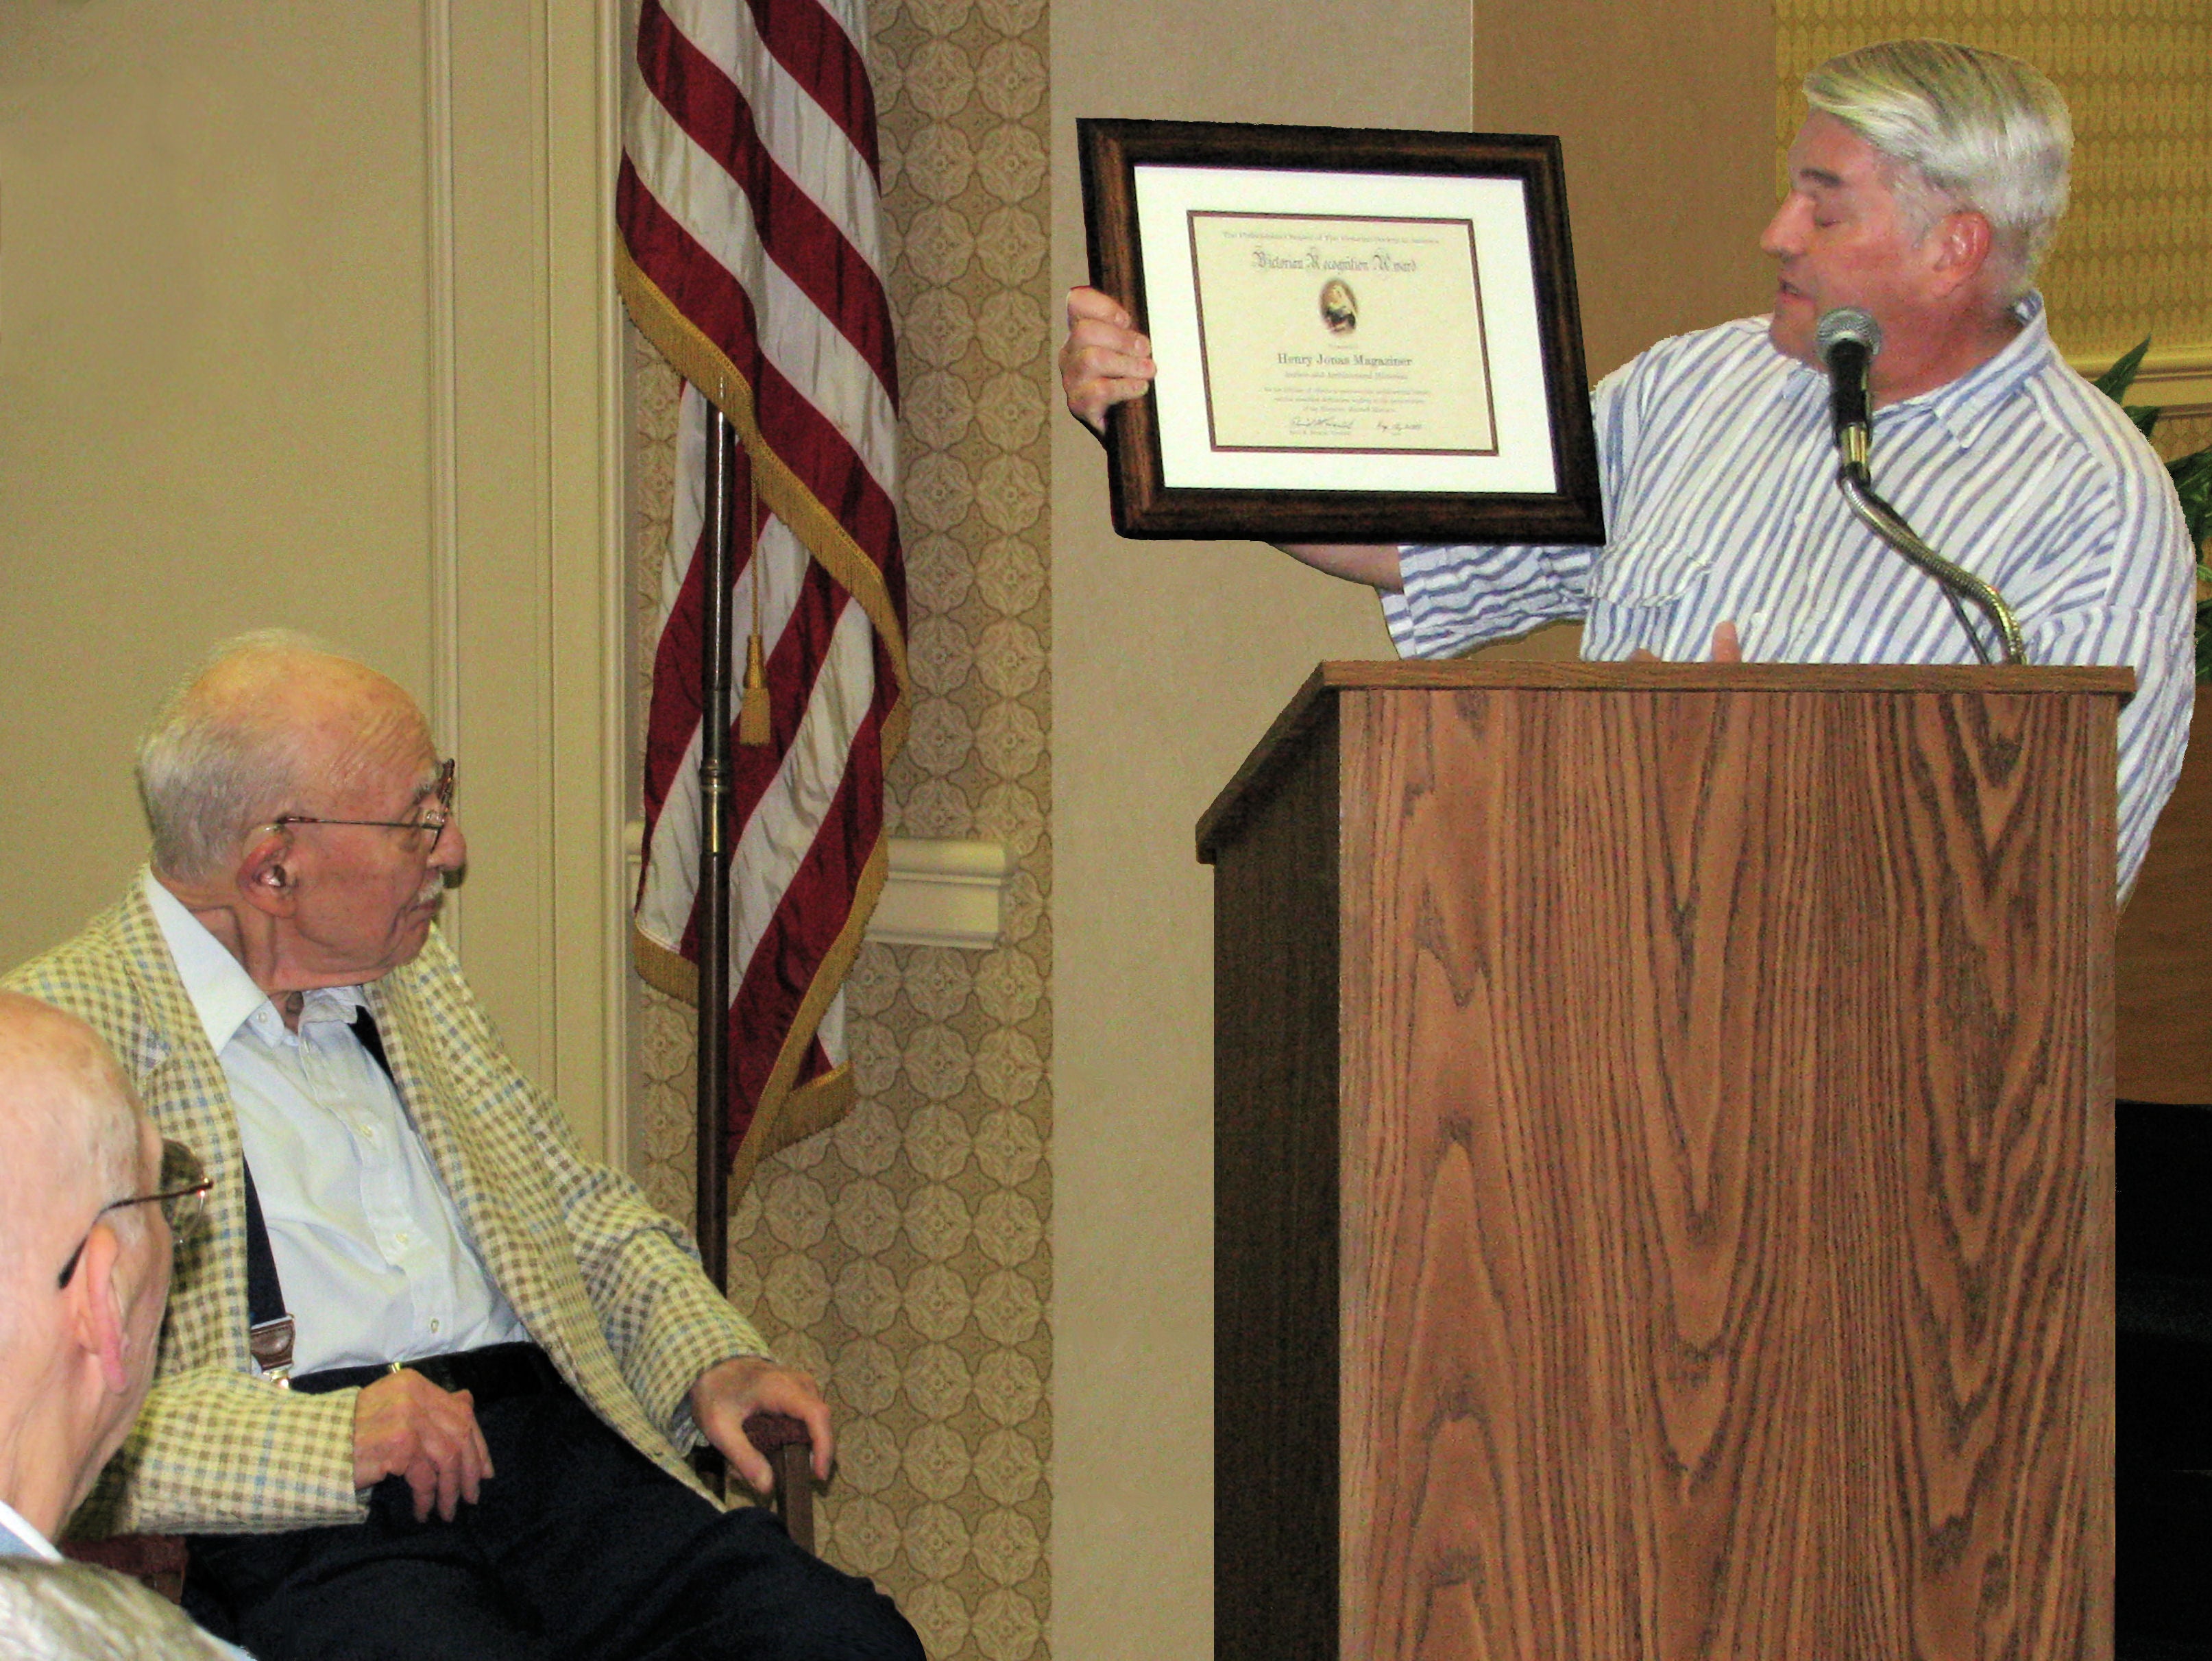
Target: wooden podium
{"points": [[1663, 1165]]}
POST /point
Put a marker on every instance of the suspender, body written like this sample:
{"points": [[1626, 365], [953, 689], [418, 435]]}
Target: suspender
{"points": [[270, 1330], [364, 1028]]}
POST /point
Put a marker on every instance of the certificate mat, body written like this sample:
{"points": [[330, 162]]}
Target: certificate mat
{"points": [[1362, 335], [1459, 379], [1358, 333]]}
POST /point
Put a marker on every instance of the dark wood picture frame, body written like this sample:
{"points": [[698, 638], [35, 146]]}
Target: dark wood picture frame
{"points": [[1146, 506]]}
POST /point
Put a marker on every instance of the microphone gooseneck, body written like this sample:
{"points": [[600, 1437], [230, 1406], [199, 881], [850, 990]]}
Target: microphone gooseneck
{"points": [[1848, 339]]}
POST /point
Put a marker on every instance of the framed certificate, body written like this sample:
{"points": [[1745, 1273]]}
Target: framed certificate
{"points": [[1362, 335]]}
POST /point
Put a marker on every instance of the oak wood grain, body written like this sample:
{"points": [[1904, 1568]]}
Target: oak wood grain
{"points": [[1567, 675], [1276, 1197], [2164, 988], [1722, 1114]]}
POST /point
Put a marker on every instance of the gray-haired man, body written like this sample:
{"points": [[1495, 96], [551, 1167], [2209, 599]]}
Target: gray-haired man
{"points": [[1924, 186], [501, 1348]]}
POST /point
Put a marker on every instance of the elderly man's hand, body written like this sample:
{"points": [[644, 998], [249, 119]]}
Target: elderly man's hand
{"points": [[405, 1426], [728, 1392], [1104, 361]]}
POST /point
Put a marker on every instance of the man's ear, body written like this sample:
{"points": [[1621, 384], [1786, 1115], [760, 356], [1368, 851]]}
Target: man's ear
{"points": [[1964, 241], [265, 878], [98, 1301]]}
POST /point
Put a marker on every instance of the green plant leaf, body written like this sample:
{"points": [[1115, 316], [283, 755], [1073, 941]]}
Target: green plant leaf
{"points": [[2145, 415], [2115, 381], [2192, 483]]}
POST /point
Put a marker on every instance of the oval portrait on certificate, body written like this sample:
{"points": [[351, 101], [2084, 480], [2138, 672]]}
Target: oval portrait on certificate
{"points": [[1339, 307]]}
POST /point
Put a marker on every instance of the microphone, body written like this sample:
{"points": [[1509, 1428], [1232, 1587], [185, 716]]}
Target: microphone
{"points": [[1848, 339]]}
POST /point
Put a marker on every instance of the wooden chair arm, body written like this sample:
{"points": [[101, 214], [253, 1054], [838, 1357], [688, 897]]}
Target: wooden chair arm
{"points": [[784, 1441], [155, 1560]]}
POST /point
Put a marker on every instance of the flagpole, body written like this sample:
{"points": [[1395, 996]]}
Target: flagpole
{"points": [[714, 913]]}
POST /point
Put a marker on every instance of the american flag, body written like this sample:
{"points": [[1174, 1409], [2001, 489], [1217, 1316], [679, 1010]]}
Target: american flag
{"points": [[748, 211]]}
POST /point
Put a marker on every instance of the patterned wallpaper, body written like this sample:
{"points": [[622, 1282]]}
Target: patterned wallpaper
{"points": [[2183, 437], [2138, 75], [904, 1255]]}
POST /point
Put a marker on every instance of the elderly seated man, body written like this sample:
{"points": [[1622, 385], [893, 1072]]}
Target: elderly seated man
{"points": [[89, 1195], [500, 1352]]}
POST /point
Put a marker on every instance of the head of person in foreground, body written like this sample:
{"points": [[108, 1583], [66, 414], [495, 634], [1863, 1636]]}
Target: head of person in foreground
{"points": [[88, 1194]]}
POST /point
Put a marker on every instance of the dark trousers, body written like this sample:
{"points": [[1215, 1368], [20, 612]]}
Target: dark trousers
{"points": [[2163, 1493], [579, 1547]]}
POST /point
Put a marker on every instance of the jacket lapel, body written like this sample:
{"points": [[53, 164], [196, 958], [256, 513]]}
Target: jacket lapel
{"points": [[183, 1085], [431, 1074]]}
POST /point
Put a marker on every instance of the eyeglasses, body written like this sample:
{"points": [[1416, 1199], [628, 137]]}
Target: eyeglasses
{"points": [[434, 821], [182, 1196]]}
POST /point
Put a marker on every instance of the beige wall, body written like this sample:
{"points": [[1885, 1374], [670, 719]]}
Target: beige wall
{"points": [[304, 321], [902, 1254], [214, 374], [1169, 659], [1660, 111]]}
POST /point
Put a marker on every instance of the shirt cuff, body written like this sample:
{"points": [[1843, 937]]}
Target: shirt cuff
{"points": [[1398, 618], [1417, 627], [682, 1426]]}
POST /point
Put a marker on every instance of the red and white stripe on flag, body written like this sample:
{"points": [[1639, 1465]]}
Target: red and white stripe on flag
{"points": [[748, 210]]}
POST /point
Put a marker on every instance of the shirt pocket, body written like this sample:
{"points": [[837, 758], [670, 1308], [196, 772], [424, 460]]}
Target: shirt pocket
{"points": [[1711, 489], [1654, 564]]}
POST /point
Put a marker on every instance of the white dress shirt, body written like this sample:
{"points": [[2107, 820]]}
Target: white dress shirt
{"points": [[375, 1262], [1717, 459], [19, 1539]]}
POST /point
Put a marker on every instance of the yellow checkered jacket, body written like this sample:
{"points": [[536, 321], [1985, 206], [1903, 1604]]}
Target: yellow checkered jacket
{"points": [[610, 1287]]}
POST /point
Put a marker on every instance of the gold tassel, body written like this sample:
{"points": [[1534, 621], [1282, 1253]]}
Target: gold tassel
{"points": [[753, 727], [754, 722]]}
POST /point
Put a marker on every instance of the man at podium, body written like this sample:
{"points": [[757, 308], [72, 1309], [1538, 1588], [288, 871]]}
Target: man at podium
{"points": [[1925, 184]]}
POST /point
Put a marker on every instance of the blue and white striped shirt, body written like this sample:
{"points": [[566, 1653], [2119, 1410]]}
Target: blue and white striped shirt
{"points": [[1719, 467]]}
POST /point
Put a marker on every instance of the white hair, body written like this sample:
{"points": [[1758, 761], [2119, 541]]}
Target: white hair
{"points": [[212, 768], [1970, 129]]}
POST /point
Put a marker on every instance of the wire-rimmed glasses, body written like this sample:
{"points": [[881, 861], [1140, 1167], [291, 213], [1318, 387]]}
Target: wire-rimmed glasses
{"points": [[182, 1196]]}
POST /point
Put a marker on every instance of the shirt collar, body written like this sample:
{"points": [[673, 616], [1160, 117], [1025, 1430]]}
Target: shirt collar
{"points": [[223, 996], [11, 1522], [1965, 406]]}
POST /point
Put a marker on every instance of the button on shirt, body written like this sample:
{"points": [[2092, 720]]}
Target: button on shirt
{"points": [[1718, 466], [374, 1261]]}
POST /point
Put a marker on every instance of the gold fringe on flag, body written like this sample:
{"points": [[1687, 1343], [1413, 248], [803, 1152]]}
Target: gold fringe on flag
{"points": [[787, 1111], [705, 365]]}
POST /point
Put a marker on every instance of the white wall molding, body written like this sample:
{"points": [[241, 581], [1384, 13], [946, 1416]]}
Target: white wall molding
{"points": [[586, 623], [527, 440], [586, 665], [942, 892], [938, 891], [614, 628], [2176, 379], [442, 534]]}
